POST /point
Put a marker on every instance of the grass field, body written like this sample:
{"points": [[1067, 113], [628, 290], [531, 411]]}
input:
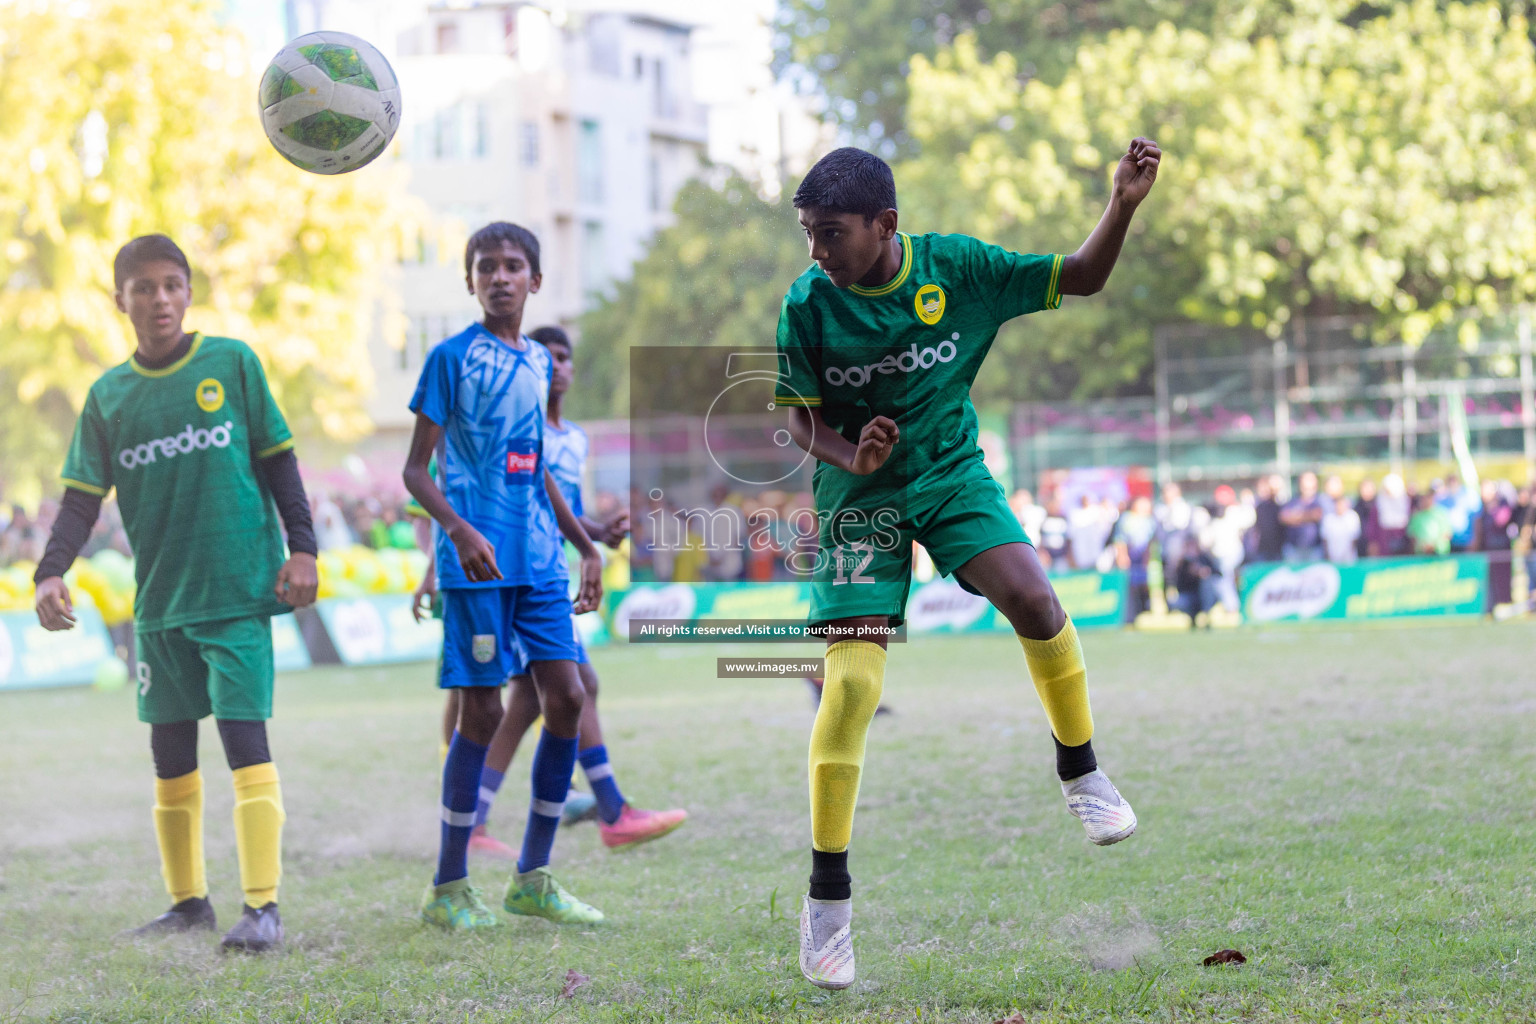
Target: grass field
{"points": [[1354, 810]]}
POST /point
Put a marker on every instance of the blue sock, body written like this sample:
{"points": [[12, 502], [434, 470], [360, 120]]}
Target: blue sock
{"points": [[553, 762], [490, 783], [610, 802], [461, 784]]}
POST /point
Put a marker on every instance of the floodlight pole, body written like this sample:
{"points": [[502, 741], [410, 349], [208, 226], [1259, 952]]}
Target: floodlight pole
{"points": [[1527, 394], [1410, 409], [1282, 411], [1160, 383]]}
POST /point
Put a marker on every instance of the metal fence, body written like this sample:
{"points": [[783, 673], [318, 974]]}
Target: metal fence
{"points": [[1231, 404], [1234, 404]]}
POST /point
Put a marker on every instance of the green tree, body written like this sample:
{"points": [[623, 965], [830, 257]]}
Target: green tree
{"points": [[1379, 167], [859, 52], [117, 124], [716, 277]]}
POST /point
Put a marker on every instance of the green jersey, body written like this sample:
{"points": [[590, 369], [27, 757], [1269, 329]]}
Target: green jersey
{"points": [[180, 444], [908, 350]]}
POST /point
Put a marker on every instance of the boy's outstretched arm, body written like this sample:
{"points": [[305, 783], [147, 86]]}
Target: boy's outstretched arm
{"points": [[1085, 271]]}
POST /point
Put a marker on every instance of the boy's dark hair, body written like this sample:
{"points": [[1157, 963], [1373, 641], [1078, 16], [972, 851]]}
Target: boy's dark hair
{"points": [[501, 231], [848, 180], [552, 335], [147, 249]]}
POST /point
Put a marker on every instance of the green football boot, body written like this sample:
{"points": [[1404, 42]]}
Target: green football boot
{"points": [[457, 906], [537, 894]]}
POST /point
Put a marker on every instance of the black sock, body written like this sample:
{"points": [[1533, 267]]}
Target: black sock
{"points": [[829, 876], [1072, 762]]}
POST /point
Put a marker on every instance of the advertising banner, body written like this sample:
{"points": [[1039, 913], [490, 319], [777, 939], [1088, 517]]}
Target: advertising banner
{"points": [[1374, 588], [32, 656], [379, 629], [939, 606], [1093, 599], [288, 651]]}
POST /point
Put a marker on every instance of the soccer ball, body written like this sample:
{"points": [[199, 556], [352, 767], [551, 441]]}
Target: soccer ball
{"points": [[329, 102]]}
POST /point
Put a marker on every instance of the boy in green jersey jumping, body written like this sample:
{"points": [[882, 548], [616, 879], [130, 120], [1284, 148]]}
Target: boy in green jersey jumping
{"points": [[203, 463], [882, 339]]}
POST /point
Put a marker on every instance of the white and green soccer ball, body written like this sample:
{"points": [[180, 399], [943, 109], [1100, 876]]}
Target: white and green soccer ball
{"points": [[329, 102]]}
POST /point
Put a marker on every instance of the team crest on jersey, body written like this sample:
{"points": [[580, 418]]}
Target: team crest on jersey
{"points": [[210, 395], [483, 647], [929, 303]]}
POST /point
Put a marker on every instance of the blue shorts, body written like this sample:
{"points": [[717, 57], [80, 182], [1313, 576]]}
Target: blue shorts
{"points": [[520, 657], [489, 632]]}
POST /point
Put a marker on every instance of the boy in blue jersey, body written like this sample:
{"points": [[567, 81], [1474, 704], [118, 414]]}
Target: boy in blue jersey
{"points": [[480, 408], [620, 824]]}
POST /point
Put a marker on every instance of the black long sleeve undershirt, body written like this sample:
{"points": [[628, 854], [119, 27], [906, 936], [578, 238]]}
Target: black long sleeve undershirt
{"points": [[72, 528], [79, 510], [281, 473]]}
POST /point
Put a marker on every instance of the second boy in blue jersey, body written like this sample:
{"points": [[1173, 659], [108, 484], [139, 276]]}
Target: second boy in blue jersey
{"points": [[480, 408], [620, 824]]}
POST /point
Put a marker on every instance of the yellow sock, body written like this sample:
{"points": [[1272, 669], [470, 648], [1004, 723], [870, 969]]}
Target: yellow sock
{"points": [[259, 832], [179, 831], [855, 674], [1061, 680]]}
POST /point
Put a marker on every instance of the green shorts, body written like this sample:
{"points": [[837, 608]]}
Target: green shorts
{"points": [[221, 668], [864, 565]]}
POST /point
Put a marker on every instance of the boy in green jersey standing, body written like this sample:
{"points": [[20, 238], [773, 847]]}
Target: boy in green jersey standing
{"points": [[882, 339], [202, 460]]}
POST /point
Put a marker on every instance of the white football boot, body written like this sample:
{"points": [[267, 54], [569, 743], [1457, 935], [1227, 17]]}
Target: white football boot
{"points": [[1095, 801], [826, 942]]}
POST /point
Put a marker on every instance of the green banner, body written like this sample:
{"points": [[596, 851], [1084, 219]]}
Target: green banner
{"points": [[32, 656], [1093, 599], [289, 654], [938, 606], [1374, 588], [379, 629]]}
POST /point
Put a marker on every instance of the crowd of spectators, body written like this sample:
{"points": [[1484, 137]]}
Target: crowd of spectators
{"points": [[372, 521], [732, 537], [1192, 551], [1200, 548], [24, 536]]}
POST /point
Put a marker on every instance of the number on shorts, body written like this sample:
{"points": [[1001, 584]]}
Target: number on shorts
{"points": [[858, 547]]}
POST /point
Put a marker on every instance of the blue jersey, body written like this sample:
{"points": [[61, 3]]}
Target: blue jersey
{"points": [[565, 453], [490, 399]]}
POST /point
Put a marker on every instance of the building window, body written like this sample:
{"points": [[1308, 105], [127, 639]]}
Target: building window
{"points": [[661, 91], [593, 259], [603, 55], [639, 67], [422, 332], [448, 37], [479, 129], [528, 143], [589, 163], [456, 133], [445, 134], [655, 169]]}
